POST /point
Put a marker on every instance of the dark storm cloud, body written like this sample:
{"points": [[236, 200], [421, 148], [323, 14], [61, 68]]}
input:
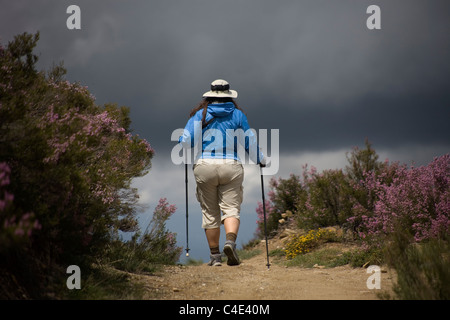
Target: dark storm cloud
{"points": [[309, 68]]}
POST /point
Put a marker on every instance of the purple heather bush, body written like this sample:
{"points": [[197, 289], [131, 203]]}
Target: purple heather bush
{"points": [[66, 168], [415, 200], [373, 199]]}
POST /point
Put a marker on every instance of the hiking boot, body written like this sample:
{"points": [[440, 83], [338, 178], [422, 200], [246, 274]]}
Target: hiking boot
{"points": [[230, 250], [216, 260]]}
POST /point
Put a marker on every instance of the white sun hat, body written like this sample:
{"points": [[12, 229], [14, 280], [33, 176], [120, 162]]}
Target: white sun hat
{"points": [[220, 89]]}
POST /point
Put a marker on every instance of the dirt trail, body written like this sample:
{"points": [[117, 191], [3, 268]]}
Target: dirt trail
{"points": [[251, 280]]}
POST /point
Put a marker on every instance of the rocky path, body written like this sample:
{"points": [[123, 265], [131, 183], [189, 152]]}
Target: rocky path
{"points": [[251, 280]]}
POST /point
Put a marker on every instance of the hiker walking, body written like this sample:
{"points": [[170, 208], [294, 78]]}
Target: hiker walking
{"points": [[218, 169]]}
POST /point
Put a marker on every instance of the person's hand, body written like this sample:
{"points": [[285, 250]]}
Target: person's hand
{"points": [[262, 163]]}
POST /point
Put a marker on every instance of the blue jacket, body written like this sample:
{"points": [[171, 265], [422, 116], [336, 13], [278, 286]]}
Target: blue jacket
{"points": [[227, 123]]}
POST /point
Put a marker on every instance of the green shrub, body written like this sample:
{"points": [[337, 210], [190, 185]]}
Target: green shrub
{"points": [[284, 196], [423, 270], [145, 252]]}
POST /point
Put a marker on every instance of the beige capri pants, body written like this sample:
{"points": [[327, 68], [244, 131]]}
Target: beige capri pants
{"points": [[219, 188]]}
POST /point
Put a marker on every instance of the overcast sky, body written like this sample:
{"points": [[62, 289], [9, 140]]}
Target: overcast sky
{"points": [[311, 69]]}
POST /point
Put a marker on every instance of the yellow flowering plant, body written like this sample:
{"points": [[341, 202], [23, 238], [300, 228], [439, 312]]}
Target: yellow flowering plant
{"points": [[301, 244]]}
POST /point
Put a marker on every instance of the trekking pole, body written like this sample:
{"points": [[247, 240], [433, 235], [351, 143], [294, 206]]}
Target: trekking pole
{"points": [[187, 211], [265, 224]]}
